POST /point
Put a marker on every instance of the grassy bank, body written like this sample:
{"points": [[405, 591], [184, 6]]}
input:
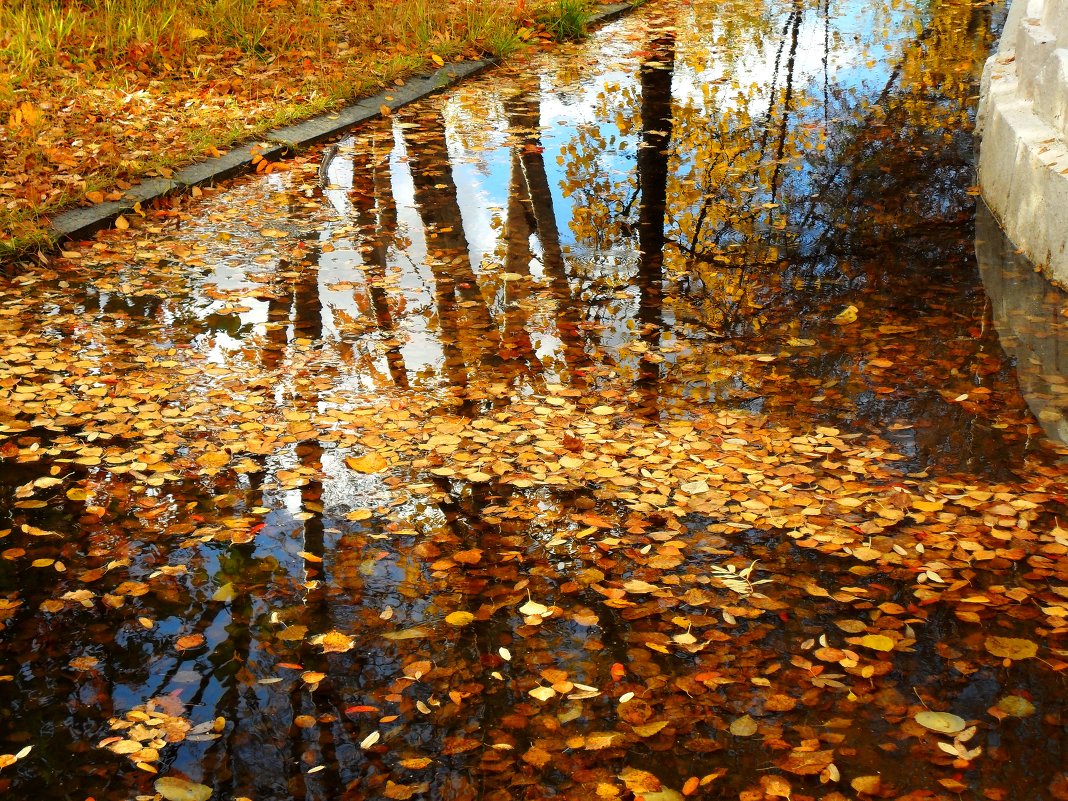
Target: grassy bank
{"points": [[96, 94]]}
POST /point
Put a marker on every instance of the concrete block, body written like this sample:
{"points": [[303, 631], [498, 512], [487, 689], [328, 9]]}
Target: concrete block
{"points": [[1023, 157], [1051, 92], [1034, 46], [228, 165], [150, 189], [83, 223]]}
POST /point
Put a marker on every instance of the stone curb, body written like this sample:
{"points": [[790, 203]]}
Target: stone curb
{"points": [[81, 223]]}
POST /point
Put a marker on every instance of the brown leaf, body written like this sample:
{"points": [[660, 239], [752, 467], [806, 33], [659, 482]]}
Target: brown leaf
{"points": [[806, 763]]}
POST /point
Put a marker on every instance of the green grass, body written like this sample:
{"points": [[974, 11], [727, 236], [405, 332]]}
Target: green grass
{"points": [[565, 19]]}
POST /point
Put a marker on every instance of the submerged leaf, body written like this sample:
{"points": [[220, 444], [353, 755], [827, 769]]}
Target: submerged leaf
{"points": [[1011, 647], [175, 789]]}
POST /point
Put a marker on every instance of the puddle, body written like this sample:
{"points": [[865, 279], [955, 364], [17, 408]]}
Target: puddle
{"points": [[391, 475]]}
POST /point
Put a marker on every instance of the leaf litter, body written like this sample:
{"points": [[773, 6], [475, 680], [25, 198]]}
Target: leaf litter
{"points": [[493, 562]]}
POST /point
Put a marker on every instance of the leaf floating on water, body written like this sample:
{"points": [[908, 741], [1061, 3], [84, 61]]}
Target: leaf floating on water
{"points": [[213, 459], [459, 618], [370, 739], [665, 794], [867, 784], [543, 693], [941, 722], [877, 642], [368, 463], [175, 789], [533, 608], [1011, 647], [189, 641], [334, 642], [744, 726]]}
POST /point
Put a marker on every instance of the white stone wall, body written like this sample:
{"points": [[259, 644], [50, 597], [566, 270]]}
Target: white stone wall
{"points": [[1023, 125]]}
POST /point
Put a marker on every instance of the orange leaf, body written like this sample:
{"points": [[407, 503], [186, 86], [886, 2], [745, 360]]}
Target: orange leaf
{"points": [[190, 641]]}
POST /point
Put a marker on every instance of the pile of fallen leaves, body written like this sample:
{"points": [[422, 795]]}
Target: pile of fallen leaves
{"points": [[81, 123]]}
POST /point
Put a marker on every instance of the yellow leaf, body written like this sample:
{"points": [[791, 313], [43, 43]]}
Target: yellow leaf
{"points": [[122, 223], [744, 726], [1011, 647], [1016, 705], [846, 316], [385, 110], [543, 693], [437, 59], [776, 787], [459, 618], [334, 642], [941, 722], [192, 34], [866, 784], [225, 593], [927, 506], [638, 586], [174, 789], [213, 459], [30, 113], [533, 608], [368, 463], [649, 729], [877, 642]]}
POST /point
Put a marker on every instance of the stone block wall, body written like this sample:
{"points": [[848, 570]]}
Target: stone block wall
{"points": [[1023, 130]]}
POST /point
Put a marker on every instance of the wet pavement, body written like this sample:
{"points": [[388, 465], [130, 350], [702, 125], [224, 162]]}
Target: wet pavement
{"points": [[420, 471]]}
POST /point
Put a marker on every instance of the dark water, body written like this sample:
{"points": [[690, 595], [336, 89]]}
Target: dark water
{"points": [[676, 219]]}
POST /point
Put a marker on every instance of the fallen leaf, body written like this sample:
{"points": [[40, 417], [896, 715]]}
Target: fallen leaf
{"points": [[368, 463], [877, 642], [941, 722], [744, 726], [175, 789], [1011, 647], [459, 618], [846, 316], [543, 693]]}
